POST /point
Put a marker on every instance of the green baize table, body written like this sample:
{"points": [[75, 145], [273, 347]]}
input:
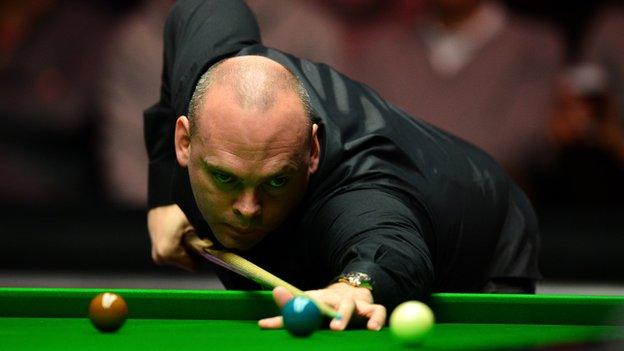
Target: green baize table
{"points": [[208, 320]]}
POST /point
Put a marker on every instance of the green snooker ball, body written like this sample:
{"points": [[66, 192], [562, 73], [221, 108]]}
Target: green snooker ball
{"points": [[301, 316], [411, 322]]}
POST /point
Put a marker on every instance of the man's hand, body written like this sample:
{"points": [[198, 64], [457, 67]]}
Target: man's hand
{"points": [[167, 226], [352, 303]]}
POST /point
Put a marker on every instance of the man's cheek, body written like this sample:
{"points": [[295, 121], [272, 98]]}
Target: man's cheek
{"points": [[202, 187], [203, 196]]}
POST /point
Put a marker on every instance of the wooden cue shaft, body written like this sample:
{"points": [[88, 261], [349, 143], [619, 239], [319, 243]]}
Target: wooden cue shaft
{"points": [[242, 266]]}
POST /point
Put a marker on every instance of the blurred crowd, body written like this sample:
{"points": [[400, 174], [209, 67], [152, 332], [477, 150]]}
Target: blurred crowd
{"points": [[542, 92]]}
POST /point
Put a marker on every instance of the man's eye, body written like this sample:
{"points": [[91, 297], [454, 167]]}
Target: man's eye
{"points": [[222, 178], [278, 182]]}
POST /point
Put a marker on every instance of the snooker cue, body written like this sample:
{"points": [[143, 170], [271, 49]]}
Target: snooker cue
{"points": [[242, 266]]}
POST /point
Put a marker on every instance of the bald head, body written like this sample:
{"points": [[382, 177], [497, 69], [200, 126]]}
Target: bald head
{"points": [[254, 82]]}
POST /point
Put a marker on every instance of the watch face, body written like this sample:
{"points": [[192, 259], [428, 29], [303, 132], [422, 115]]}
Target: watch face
{"points": [[358, 280]]}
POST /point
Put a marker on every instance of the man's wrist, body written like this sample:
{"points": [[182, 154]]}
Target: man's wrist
{"points": [[356, 279], [355, 293]]}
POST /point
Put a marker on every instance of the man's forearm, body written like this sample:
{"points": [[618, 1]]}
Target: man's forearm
{"points": [[159, 121]]}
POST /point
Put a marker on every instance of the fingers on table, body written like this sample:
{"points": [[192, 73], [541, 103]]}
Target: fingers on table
{"points": [[376, 314], [271, 323], [281, 295], [373, 313], [345, 308]]}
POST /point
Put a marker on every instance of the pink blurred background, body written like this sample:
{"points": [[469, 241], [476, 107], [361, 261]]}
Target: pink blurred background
{"points": [[539, 85]]}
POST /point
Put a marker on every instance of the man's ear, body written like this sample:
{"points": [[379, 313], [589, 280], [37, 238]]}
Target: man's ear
{"points": [[315, 150], [182, 139]]}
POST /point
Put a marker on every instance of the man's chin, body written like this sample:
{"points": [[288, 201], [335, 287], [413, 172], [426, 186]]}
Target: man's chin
{"points": [[239, 245]]}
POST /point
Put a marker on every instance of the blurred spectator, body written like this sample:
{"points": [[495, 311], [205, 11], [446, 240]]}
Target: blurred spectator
{"points": [[587, 167], [327, 31], [49, 56], [132, 63], [299, 27], [130, 83], [471, 68], [605, 47]]}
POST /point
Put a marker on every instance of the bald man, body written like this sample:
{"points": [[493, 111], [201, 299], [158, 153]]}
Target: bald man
{"points": [[318, 180]]}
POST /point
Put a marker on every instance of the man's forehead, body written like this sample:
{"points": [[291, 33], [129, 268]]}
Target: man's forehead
{"points": [[254, 144], [223, 118], [245, 167]]}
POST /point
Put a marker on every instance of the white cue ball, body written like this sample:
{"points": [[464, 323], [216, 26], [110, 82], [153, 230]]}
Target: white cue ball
{"points": [[411, 321]]}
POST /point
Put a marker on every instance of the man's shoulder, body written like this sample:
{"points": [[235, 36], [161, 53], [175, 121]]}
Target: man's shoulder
{"points": [[183, 10], [374, 148]]}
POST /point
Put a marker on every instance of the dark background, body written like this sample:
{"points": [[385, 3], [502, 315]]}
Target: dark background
{"points": [[85, 232]]}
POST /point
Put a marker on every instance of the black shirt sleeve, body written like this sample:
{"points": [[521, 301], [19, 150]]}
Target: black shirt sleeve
{"points": [[158, 128], [373, 232]]}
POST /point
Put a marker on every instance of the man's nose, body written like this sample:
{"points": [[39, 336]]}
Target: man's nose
{"points": [[247, 205]]}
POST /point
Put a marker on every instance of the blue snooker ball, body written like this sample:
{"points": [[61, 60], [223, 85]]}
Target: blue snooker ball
{"points": [[301, 316]]}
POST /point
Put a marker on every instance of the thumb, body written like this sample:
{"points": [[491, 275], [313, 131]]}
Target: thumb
{"points": [[194, 242]]}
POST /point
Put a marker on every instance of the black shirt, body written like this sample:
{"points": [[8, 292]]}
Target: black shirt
{"points": [[417, 209]]}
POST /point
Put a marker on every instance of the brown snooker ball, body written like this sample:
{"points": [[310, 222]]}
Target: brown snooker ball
{"points": [[108, 311]]}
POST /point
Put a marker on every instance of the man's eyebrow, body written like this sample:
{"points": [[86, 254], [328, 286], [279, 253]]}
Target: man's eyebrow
{"points": [[217, 167], [287, 168]]}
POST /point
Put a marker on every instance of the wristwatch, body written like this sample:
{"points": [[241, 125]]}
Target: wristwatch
{"points": [[356, 279]]}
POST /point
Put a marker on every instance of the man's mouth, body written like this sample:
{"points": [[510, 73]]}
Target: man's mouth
{"points": [[243, 231]]}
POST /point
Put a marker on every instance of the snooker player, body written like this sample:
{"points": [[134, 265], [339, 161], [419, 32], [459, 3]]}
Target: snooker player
{"points": [[315, 178]]}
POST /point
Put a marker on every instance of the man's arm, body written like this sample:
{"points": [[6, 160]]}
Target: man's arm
{"points": [[376, 233], [373, 232]]}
